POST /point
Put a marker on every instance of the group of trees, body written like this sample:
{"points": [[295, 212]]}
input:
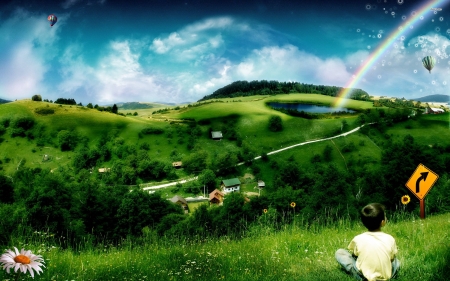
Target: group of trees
{"points": [[264, 87], [77, 201]]}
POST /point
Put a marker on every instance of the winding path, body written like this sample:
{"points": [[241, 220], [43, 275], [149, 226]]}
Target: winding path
{"points": [[258, 157]]}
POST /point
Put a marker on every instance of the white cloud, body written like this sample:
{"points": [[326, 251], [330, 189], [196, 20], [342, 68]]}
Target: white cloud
{"points": [[27, 47]]}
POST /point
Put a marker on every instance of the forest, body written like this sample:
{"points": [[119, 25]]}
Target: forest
{"points": [[264, 87]]}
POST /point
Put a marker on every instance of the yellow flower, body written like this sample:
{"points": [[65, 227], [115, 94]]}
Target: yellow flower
{"points": [[405, 199], [293, 204], [265, 211]]}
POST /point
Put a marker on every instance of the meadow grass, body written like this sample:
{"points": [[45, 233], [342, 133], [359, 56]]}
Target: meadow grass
{"points": [[299, 251]]}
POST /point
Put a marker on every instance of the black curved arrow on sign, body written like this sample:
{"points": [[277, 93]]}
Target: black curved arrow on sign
{"points": [[424, 177]]}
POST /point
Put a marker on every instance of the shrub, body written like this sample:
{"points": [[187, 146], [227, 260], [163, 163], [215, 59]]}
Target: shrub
{"points": [[36, 98], [152, 131], [44, 111], [275, 124], [24, 122]]}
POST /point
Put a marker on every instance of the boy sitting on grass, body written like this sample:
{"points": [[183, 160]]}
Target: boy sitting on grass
{"points": [[372, 253]]}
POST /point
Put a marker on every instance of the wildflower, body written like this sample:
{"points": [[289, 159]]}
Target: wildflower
{"points": [[265, 211], [293, 204], [25, 260], [405, 199]]}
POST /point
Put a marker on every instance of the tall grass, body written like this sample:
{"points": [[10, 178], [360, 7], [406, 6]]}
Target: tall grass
{"points": [[300, 251]]}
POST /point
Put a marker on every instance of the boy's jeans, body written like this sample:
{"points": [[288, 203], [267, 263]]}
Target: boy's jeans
{"points": [[348, 262]]}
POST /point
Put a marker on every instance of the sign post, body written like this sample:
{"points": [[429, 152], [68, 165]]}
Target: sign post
{"points": [[420, 184]]}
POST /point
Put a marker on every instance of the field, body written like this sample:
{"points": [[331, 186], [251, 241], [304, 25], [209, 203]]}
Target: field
{"points": [[299, 252]]}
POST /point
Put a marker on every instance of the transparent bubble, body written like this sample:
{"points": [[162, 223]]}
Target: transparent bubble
{"points": [[415, 70], [421, 17], [413, 13], [368, 6], [395, 46], [420, 39], [433, 82], [369, 35], [379, 35], [432, 20], [449, 62], [448, 31], [435, 12], [400, 28], [393, 13], [411, 26], [358, 30], [437, 29], [379, 76], [385, 12], [400, 2], [444, 83], [383, 61], [441, 18], [416, 45], [368, 47], [374, 7], [402, 38], [381, 31], [403, 17]]}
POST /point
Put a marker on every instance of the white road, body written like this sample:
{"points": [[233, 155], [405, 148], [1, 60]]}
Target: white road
{"points": [[258, 157]]}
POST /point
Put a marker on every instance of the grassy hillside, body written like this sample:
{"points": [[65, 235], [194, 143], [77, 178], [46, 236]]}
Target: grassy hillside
{"points": [[249, 116], [299, 252]]}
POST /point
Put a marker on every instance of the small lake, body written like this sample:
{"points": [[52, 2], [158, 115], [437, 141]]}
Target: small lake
{"points": [[310, 108]]}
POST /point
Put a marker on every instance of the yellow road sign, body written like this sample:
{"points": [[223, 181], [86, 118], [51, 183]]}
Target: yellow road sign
{"points": [[421, 181]]}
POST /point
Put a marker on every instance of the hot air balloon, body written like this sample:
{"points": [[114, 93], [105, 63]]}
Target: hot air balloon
{"points": [[52, 19], [428, 62]]}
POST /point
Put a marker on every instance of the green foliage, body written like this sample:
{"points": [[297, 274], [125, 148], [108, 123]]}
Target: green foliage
{"points": [[36, 98], [275, 123], [44, 111], [140, 209], [67, 140], [152, 131], [327, 153]]}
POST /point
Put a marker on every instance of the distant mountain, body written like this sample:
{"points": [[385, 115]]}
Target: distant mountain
{"points": [[4, 101], [434, 98], [134, 105]]}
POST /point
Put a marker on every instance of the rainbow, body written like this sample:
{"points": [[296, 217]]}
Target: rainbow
{"points": [[339, 101]]}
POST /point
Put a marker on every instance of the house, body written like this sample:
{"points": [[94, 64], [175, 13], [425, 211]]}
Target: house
{"points": [[230, 185], [261, 184], [216, 197], [216, 135], [104, 170], [177, 165], [433, 110], [180, 201]]}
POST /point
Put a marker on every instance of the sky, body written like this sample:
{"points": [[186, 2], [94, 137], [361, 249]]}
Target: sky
{"points": [[172, 51]]}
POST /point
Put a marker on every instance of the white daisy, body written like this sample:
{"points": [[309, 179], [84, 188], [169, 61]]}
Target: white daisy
{"points": [[25, 260]]}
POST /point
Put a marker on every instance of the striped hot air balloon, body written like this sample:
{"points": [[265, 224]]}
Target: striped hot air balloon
{"points": [[428, 62], [52, 19]]}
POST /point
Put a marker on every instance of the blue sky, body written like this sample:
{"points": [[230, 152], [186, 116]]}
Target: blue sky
{"points": [[104, 51]]}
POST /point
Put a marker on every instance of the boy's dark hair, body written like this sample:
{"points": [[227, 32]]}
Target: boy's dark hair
{"points": [[372, 215]]}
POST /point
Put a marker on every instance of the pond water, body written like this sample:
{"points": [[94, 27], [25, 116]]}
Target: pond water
{"points": [[310, 108]]}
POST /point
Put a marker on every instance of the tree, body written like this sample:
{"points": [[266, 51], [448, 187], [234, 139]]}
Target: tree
{"points": [[114, 109], [208, 179], [139, 209], [327, 153], [36, 98], [89, 105], [275, 124]]}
